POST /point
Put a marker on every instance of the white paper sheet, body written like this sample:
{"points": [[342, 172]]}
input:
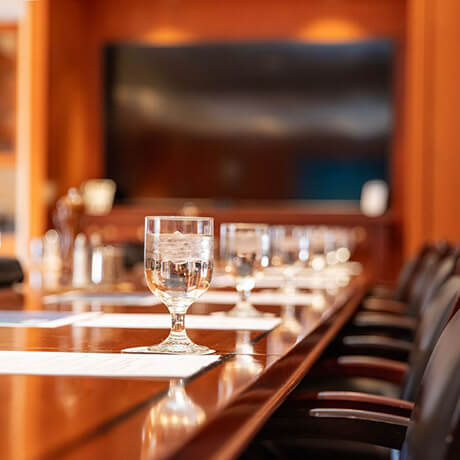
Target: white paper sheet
{"points": [[42, 319], [108, 298], [148, 300], [102, 364], [257, 298], [163, 321], [277, 281], [329, 278]]}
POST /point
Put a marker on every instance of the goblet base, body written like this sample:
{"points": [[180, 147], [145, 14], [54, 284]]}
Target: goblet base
{"points": [[246, 310], [173, 346]]}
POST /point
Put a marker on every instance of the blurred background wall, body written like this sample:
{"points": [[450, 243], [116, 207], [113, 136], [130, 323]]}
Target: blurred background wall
{"points": [[61, 79]]}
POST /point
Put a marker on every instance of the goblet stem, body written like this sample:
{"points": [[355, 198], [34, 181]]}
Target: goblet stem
{"points": [[289, 287], [288, 312], [244, 295], [178, 342], [178, 331], [177, 339]]}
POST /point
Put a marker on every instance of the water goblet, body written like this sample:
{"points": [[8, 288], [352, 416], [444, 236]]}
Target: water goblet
{"points": [[179, 258], [319, 245], [244, 248], [290, 249]]}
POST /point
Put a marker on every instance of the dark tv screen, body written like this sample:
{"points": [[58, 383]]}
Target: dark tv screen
{"points": [[248, 121]]}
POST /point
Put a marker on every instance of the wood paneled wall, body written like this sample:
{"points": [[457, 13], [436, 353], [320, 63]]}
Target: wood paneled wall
{"points": [[415, 101], [32, 124], [445, 148], [432, 135]]}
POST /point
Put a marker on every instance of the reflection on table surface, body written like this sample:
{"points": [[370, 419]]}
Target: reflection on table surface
{"points": [[172, 418]]}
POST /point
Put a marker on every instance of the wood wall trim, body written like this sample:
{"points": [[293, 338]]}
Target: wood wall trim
{"points": [[32, 139], [445, 145], [416, 119], [432, 207]]}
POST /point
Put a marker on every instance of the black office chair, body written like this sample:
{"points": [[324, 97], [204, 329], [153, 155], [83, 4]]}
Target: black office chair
{"points": [[354, 374], [373, 332], [383, 376], [400, 291], [427, 430], [420, 283]]}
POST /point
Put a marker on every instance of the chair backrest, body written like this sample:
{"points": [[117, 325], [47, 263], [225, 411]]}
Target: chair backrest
{"points": [[409, 272], [430, 328], [436, 413], [428, 268], [441, 273]]}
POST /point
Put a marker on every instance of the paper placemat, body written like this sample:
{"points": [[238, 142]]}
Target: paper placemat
{"points": [[102, 364], [115, 298], [275, 281], [148, 300], [350, 268], [163, 321], [43, 319], [257, 298], [306, 279]]}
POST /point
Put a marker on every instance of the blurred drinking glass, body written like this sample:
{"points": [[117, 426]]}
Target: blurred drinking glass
{"points": [[318, 248], [244, 250], [338, 245], [290, 250], [179, 258], [343, 244]]}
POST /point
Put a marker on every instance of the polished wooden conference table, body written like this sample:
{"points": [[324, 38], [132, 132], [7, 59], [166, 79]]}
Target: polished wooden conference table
{"points": [[212, 415]]}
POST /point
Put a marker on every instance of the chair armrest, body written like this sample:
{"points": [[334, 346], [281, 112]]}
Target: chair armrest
{"points": [[344, 424], [376, 341], [393, 406], [383, 291], [362, 366], [385, 305], [305, 400], [360, 415], [377, 345], [382, 429], [384, 320]]}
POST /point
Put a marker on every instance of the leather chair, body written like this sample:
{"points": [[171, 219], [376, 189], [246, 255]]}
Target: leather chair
{"points": [[420, 283], [370, 374], [382, 332], [400, 291], [429, 429]]}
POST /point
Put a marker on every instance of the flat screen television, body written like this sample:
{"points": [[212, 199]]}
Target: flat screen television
{"points": [[244, 121]]}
